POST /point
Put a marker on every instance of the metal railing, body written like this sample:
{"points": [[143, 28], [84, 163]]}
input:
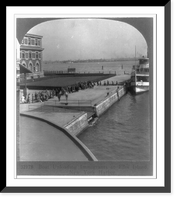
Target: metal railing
{"points": [[68, 102], [46, 72]]}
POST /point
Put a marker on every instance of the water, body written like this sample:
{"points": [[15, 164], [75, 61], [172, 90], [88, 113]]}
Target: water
{"points": [[91, 66], [123, 131]]}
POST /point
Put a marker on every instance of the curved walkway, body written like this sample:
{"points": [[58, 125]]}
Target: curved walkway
{"points": [[41, 142]]}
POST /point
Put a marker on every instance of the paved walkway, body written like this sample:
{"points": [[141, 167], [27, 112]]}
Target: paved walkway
{"points": [[83, 98], [59, 116], [42, 142]]}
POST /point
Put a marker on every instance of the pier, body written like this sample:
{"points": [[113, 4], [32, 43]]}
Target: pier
{"points": [[71, 117]]}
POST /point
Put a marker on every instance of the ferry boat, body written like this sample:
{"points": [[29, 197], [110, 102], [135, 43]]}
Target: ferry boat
{"points": [[140, 76]]}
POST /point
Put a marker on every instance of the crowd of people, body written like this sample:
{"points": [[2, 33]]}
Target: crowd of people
{"points": [[40, 96], [110, 83], [44, 95]]}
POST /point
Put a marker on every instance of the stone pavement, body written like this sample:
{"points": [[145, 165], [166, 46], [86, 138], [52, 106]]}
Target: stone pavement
{"points": [[83, 98], [41, 142], [59, 116]]}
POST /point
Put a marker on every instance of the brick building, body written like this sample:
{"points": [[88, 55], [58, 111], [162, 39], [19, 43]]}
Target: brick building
{"points": [[31, 53]]}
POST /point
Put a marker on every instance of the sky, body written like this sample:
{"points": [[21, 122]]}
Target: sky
{"points": [[73, 39]]}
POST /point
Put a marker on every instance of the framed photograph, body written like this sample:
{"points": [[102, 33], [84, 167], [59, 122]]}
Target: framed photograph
{"points": [[91, 99]]}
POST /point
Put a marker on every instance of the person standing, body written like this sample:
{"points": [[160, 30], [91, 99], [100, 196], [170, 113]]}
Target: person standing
{"points": [[66, 95], [117, 90], [28, 98], [59, 95], [23, 99], [32, 98]]}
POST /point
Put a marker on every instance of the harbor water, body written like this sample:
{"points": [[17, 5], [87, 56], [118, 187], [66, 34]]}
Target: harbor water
{"points": [[117, 66], [122, 132]]}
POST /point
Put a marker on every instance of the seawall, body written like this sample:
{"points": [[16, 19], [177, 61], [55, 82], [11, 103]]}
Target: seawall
{"points": [[76, 126], [101, 107]]}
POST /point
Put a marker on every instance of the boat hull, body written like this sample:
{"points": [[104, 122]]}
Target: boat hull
{"points": [[140, 89]]}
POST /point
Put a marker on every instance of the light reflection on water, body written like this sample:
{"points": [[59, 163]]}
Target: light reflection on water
{"points": [[123, 131]]}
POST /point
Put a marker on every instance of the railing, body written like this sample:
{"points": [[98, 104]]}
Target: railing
{"points": [[141, 72], [46, 72], [68, 102]]}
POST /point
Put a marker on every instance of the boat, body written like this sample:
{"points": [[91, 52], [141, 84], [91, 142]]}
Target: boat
{"points": [[140, 76], [92, 121]]}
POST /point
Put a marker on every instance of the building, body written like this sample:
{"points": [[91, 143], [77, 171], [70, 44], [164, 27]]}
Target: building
{"points": [[31, 53], [17, 60]]}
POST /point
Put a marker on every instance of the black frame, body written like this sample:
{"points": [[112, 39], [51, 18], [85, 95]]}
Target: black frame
{"points": [[167, 135]]}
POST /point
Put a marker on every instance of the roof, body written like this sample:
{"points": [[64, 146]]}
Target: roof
{"points": [[33, 35], [24, 70], [61, 81]]}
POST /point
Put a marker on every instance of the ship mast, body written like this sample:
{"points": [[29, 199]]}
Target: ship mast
{"points": [[135, 55], [135, 66]]}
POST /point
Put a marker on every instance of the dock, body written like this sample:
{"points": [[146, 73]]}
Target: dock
{"points": [[71, 117]]}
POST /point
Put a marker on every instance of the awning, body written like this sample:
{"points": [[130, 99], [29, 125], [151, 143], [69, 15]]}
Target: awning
{"points": [[24, 70]]}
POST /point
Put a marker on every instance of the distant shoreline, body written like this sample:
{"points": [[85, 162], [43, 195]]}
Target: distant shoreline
{"points": [[90, 61]]}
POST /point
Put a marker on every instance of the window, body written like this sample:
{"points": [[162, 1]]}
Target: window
{"points": [[39, 42], [29, 41], [30, 65], [30, 54], [37, 55], [26, 55], [25, 40], [24, 64], [143, 78], [37, 67], [22, 54], [33, 55], [32, 41]]}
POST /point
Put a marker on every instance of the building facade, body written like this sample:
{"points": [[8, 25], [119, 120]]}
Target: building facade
{"points": [[31, 53]]}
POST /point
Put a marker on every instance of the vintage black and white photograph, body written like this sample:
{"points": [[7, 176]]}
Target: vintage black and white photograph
{"points": [[84, 94], [88, 99]]}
